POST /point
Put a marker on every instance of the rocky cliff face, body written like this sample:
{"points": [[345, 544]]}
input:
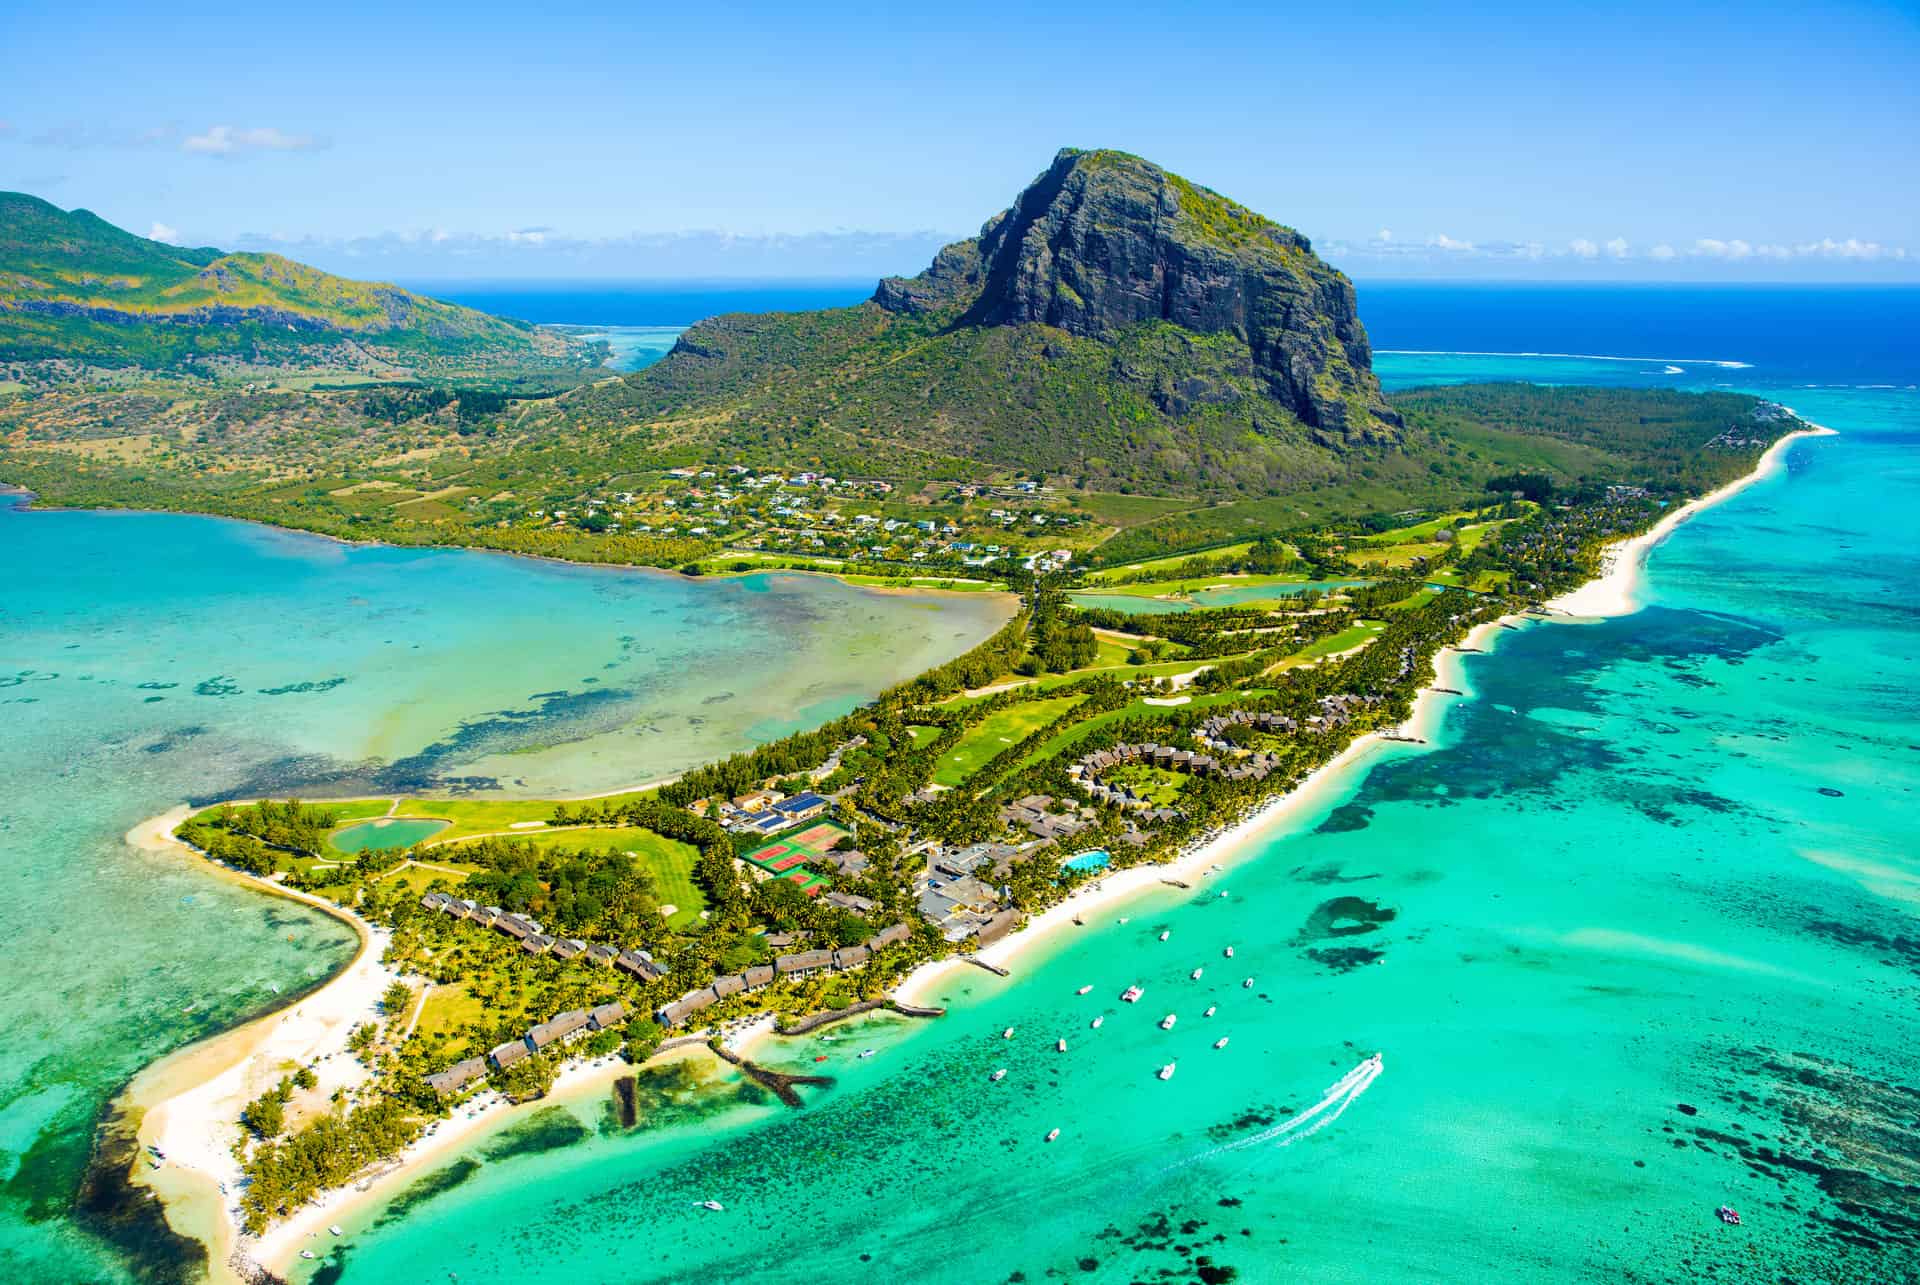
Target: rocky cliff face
{"points": [[1104, 241]]}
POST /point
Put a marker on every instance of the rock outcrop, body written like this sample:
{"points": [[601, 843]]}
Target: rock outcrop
{"points": [[1104, 240]]}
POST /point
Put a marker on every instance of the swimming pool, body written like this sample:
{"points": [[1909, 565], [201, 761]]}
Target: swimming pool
{"points": [[1097, 859]]}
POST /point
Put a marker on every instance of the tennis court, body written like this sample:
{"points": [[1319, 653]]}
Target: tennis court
{"points": [[819, 837]]}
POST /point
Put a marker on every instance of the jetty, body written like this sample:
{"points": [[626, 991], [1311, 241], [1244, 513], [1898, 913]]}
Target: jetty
{"points": [[978, 962], [780, 1083], [815, 1021]]}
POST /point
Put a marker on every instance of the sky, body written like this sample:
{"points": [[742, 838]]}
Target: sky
{"points": [[1636, 141]]}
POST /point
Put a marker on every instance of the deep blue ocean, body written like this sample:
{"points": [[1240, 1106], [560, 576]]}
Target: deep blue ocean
{"points": [[1783, 335]]}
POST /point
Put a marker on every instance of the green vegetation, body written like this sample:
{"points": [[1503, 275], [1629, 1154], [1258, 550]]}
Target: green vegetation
{"points": [[75, 288], [994, 733]]}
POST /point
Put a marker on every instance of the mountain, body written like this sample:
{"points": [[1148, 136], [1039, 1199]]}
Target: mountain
{"points": [[73, 286], [1117, 325]]}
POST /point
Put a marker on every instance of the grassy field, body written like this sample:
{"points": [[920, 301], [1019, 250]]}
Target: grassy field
{"points": [[1171, 563], [1178, 586], [994, 733], [448, 1009], [487, 816], [1393, 556], [668, 862], [1128, 510], [1157, 785], [1346, 640], [1071, 736], [923, 735]]}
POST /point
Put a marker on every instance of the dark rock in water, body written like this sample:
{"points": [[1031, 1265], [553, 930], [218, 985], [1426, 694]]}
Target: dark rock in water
{"points": [[1684, 1109], [1830, 792], [1104, 240], [1343, 917]]}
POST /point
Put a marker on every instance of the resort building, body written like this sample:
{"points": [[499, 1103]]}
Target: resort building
{"points": [[505, 1055], [458, 1076], [802, 807], [892, 936], [807, 961], [607, 1015], [639, 965], [558, 1028]]}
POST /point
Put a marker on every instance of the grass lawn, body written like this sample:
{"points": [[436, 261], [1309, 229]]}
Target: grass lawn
{"points": [[995, 733], [923, 735], [1158, 785], [1418, 598], [1179, 586], [1397, 555], [448, 1009], [1170, 563], [670, 863], [1415, 533], [1158, 669], [486, 816], [1346, 640], [418, 878], [1081, 730], [344, 810]]}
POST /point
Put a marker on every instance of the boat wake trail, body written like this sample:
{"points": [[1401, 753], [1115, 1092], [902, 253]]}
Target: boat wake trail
{"points": [[1340, 1095]]}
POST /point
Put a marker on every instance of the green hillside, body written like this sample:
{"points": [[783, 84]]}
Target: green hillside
{"points": [[74, 287]]}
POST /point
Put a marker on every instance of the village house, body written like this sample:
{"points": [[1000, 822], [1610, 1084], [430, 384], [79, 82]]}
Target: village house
{"points": [[537, 944], [639, 965], [602, 954], [505, 1055], [731, 984], [891, 936], [607, 1015], [850, 957], [757, 976], [686, 1006], [758, 800], [848, 901]]}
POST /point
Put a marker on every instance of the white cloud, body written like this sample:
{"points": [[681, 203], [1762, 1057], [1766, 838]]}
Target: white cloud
{"points": [[1714, 248], [1617, 248], [1582, 248], [1662, 252], [162, 232], [1828, 248], [1444, 242], [225, 140], [529, 236], [1384, 234]]}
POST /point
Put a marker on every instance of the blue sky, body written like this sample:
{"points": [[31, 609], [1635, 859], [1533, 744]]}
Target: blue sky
{"points": [[1632, 142]]}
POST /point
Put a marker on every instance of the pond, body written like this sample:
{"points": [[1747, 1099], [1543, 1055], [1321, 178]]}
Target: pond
{"points": [[387, 832]]}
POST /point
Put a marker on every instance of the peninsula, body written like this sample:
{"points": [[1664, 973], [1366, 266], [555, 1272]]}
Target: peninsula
{"points": [[1145, 409]]}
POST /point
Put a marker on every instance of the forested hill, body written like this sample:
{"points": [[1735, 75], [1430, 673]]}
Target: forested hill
{"points": [[74, 287], [1117, 325]]}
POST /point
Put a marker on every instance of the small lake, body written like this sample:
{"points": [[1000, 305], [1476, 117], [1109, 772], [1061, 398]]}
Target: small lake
{"points": [[387, 832]]}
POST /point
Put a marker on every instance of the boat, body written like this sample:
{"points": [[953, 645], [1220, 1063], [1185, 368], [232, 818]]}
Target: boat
{"points": [[1195, 974], [1728, 1215], [1097, 1021], [866, 1052], [998, 1076], [1211, 1010], [712, 1206], [1131, 994], [1165, 933], [1083, 990], [1060, 1046], [1166, 1023], [306, 1253], [1166, 1072], [1223, 892], [1052, 1134], [821, 1058], [1220, 1043], [1007, 1034], [1247, 985], [335, 1229], [1124, 918], [1229, 952]]}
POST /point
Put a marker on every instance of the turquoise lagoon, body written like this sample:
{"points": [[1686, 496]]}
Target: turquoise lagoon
{"points": [[1635, 937], [149, 659], [382, 834]]}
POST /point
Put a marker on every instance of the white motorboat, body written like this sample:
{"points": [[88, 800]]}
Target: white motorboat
{"points": [[335, 1229], [1007, 1034], [1131, 994], [1220, 1043], [1097, 1021], [712, 1206], [1211, 1010], [307, 1253], [866, 1053], [1229, 952], [1247, 985], [1060, 1046], [1166, 1023], [1052, 1134], [1195, 974], [1165, 933], [1083, 990], [1166, 1072], [999, 1075]]}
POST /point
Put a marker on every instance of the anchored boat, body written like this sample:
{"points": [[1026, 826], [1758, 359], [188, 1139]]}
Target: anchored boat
{"points": [[1166, 1072], [1052, 1134], [1131, 994], [1220, 1043], [1166, 1023], [999, 1075]]}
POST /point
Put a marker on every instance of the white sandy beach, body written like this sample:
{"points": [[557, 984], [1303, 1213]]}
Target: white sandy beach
{"points": [[192, 1100], [1614, 592]]}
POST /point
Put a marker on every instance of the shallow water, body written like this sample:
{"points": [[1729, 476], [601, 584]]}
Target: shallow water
{"points": [[150, 659], [1635, 938]]}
